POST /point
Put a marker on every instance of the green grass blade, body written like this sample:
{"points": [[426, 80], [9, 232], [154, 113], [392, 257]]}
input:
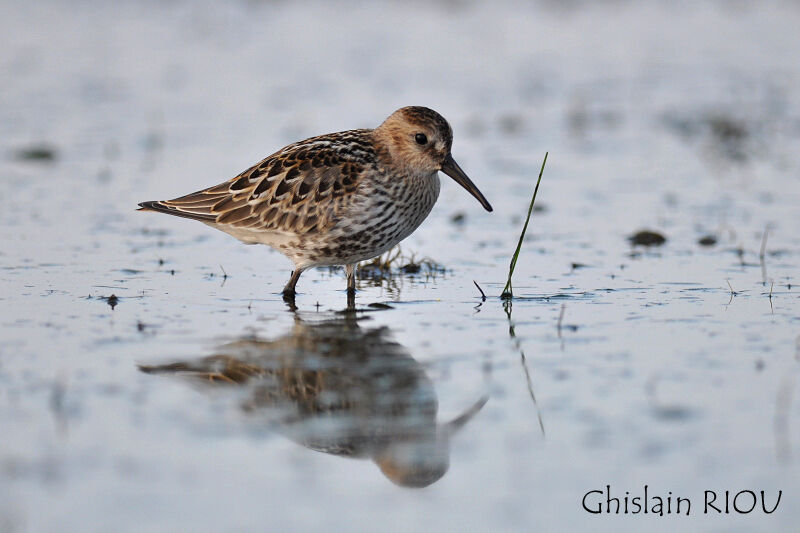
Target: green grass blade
{"points": [[508, 291]]}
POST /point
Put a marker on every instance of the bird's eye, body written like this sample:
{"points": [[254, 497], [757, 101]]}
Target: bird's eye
{"points": [[421, 138]]}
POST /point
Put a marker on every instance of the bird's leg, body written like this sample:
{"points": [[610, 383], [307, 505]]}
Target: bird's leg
{"points": [[288, 290], [350, 270]]}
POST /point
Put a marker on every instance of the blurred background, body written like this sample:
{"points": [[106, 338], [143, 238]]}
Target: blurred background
{"points": [[674, 366]]}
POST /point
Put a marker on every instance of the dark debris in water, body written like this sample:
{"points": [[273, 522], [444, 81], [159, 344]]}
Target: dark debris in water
{"points": [[146, 329], [511, 124], [726, 135], [411, 268], [647, 238], [36, 153], [458, 218], [583, 118], [672, 413], [708, 240], [155, 232], [729, 135]]}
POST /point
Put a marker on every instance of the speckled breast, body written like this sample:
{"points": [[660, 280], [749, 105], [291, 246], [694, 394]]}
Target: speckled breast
{"points": [[385, 215]]}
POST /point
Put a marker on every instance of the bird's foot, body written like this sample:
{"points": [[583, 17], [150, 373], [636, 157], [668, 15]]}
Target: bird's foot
{"points": [[288, 295]]}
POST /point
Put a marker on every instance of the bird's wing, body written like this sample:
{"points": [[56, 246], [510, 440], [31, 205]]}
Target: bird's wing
{"points": [[213, 369], [300, 189]]}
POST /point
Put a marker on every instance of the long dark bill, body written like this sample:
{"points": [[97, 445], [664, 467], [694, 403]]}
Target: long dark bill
{"points": [[451, 168]]}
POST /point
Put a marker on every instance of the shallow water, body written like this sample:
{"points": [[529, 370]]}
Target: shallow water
{"points": [[675, 366]]}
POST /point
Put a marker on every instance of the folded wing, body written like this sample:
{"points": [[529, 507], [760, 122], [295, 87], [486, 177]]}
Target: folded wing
{"points": [[300, 189]]}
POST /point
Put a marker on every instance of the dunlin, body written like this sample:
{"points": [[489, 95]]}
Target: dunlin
{"points": [[336, 199]]}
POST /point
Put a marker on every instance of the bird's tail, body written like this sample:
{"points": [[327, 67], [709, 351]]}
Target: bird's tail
{"points": [[164, 207]]}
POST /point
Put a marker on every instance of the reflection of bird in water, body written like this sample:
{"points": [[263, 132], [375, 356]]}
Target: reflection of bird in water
{"points": [[341, 389]]}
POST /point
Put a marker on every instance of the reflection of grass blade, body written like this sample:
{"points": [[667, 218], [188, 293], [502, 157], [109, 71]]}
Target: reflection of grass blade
{"points": [[507, 291]]}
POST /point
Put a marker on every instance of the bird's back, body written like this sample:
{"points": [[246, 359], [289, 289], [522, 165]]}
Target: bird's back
{"points": [[299, 190]]}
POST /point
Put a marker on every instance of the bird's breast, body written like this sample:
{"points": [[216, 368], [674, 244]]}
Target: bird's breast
{"points": [[386, 211], [404, 203]]}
